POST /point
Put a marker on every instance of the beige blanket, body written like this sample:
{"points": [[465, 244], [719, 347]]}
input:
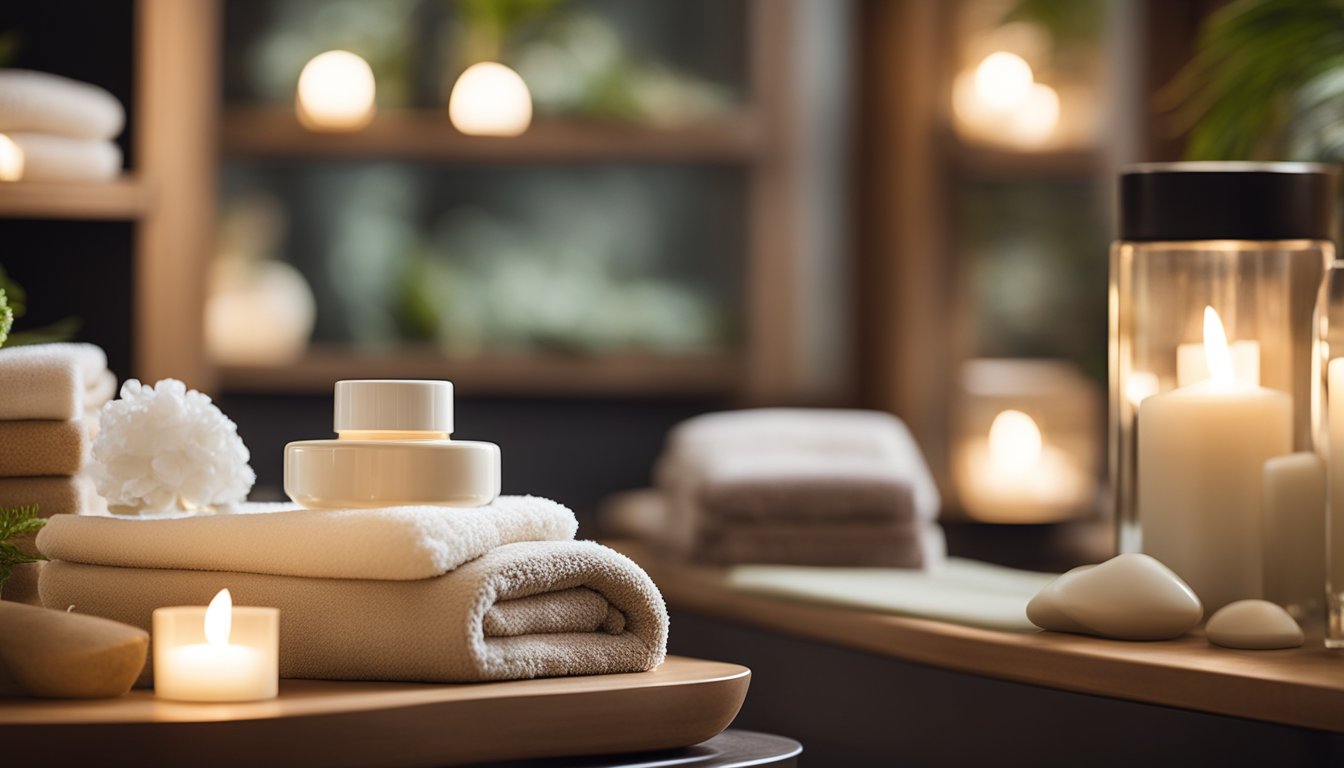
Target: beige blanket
{"points": [[524, 610]]}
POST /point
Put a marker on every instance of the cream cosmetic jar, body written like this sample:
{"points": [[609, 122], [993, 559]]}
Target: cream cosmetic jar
{"points": [[393, 449]]}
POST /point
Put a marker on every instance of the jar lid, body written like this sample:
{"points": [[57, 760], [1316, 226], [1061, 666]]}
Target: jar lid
{"points": [[394, 405], [1226, 201]]}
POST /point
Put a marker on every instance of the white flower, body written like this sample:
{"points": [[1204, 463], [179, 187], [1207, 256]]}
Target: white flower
{"points": [[165, 447]]}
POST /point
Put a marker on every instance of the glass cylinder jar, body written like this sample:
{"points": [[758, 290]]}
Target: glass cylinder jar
{"points": [[1330, 446], [1214, 282]]}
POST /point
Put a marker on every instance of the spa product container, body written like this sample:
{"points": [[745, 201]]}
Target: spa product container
{"points": [[394, 449]]}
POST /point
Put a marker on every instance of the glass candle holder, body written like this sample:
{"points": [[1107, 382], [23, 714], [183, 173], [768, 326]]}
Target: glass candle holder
{"points": [[1330, 452], [1028, 441], [1214, 282], [218, 653]]}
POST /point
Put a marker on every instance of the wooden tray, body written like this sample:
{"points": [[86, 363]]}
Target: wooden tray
{"points": [[683, 702]]}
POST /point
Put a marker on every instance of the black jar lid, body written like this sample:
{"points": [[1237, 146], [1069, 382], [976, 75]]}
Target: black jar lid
{"points": [[1226, 201]]}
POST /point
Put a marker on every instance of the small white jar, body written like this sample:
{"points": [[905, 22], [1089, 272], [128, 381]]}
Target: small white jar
{"points": [[393, 449]]}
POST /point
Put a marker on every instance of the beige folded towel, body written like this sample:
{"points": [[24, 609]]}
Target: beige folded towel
{"points": [[394, 543], [41, 102], [42, 448], [517, 612], [58, 158], [849, 545], [53, 495], [53, 381]]}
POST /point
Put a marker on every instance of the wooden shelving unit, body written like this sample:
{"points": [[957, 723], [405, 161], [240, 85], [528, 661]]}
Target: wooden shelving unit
{"points": [[427, 135], [126, 198], [708, 374]]}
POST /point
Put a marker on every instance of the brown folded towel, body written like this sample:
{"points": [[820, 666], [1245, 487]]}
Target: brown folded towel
{"points": [[802, 497], [53, 495], [865, 546], [42, 448], [520, 611]]}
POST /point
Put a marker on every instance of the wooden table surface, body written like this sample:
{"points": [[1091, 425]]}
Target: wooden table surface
{"points": [[1302, 687], [682, 703]]}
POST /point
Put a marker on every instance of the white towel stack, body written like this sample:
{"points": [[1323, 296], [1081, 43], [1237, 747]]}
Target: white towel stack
{"points": [[62, 128], [793, 486]]}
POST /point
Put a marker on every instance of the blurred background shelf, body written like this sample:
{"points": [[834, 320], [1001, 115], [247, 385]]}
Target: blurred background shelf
{"points": [[428, 135], [126, 198], [644, 375]]}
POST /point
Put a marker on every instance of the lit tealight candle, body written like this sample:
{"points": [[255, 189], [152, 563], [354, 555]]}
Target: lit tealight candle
{"points": [[335, 92], [1014, 476], [219, 653], [489, 99]]}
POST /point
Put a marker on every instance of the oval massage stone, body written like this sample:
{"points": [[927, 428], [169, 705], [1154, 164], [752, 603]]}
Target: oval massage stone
{"points": [[54, 654], [1257, 625], [1129, 597]]}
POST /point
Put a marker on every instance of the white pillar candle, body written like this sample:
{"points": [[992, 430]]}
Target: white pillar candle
{"points": [[1294, 524], [1201, 456], [1192, 364], [220, 653]]}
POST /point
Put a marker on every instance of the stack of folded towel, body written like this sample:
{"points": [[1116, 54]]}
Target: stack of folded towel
{"points": [[63, 128], [794, 486], [49, 398], [421, 594], [48, 414]]}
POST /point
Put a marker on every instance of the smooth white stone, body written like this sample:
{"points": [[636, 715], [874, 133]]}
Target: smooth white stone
{"points": [[1255, 625], [1129, 597]]}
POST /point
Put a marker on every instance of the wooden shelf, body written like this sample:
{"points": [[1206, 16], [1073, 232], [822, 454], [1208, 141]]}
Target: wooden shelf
{"points": [[1302, 687], [124, 198], [427, 135], [526, 374], [683, 702]]}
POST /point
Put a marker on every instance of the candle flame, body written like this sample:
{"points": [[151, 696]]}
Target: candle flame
{"points": [[1014, 441], [1216, 351], [219, 619], [489, 99], [336, 92]]}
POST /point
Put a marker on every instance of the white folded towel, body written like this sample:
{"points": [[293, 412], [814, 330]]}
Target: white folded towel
{"points": [[784, 441], [53, 381], [39, 102], [59, 158], [391, 543]]}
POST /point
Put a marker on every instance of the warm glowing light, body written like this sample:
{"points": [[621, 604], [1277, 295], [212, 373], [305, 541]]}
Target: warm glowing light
{"points": [[1034, 120], [219, 619], [1014, 441], [1003, 80], [489, 99], [11, 159], [1140, 386], [1216, 351], [336, 91]]}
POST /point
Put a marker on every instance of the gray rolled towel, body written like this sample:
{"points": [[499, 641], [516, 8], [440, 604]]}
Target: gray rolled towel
{"points": [[524, 610]]}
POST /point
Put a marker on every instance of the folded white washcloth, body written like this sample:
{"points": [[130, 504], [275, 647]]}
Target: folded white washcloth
{"points": [[40, 102], [59, 158], [53, 381], [391, 543]]}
